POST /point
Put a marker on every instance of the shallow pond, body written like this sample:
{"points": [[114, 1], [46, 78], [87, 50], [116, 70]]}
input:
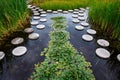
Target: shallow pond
{"points": [[20, 68]]}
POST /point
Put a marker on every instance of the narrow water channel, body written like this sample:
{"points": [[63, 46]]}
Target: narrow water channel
{"points": [[20, 68]]}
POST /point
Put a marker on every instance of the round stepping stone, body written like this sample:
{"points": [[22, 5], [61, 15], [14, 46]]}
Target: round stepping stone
{"points": [[87, 8], [81, 18], [43, 12], [35, 11], [43, 15], [75, 12], [34, 22], [2, 55], [33, 36], [19, 51], [102, 53], [17, 41], [91, 31], [118, 57], [36, 14], [59, 10], [70, 10], [55, 12], [103, 43], [43, 20], [29, 6], [87, 37], [79, 27], [75, 21], [40, 26], [28, 30], [36, 17], [75, 16], [84, 24], [49, 11], [65, 12], [40, 10], [37, 8], [80, 14], [81, 11], [76, 9]]}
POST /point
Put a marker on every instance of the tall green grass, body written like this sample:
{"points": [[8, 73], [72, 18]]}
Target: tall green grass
{"points": [[12, 14], [106, 15]]}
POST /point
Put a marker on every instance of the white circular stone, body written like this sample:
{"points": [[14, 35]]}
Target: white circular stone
{"points": [[36, 14], [81, 18], [76, 9], [43, 15], [2, 55], [75, 16], [80, 14], [49, 11], [19, 51], [59, 10], [84, 24], [102, 53], [35, 11], [36, 17], [75, 12], [37, 8], [103, 42], [65, 12], [28, 30], [43, 20], [75, 20], [43, 12], [81, 11], [87, 37], [40, 10], [79, 27], [17, 40], [34, 22], [29, 6], [70, 10], [55, 12], [118, 57], [40, 26], [33, 36], [91, 31]]}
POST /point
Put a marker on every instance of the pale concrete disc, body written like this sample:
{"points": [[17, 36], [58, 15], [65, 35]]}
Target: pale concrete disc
{"points": [[55, 12], [87, 37], [118, 57], [33, 36], [2, 55], [81, 14], [43, 20], [75, 12], [40, 26], [76, 9], [75, 16], [17, 40], [81, 11], [19, 51], [65, 12], [102, 53], [28, 30], [91, 31], [37, 8], [103, 42], [70, 10], [43, 15], [43, 12], [78, 27], [40, 10], [75, 21], [84, 24], [59, 10], [34, 22], [33, 10], [81, 18], [49, 11], [36, 14], [36, 17]]}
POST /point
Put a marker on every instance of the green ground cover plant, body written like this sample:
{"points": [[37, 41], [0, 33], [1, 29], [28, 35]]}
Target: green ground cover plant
{"points": [[62, 61]]}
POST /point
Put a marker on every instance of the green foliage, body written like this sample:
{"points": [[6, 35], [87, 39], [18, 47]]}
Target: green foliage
{"points": [[11, 12], [62, 61]]}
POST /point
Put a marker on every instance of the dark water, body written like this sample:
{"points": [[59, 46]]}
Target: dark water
{"points": [[20, 68]]}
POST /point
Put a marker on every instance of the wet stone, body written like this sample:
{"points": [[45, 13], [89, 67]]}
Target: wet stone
{"points": [[43, 20], [2, 55], [36, 17], [59, 10], [43, 15], [55, 12], [75, 16], [103, 42], [75, 21], [33, 36], [81, 18], [36, 14], [70, 10], [19, 51], [49, 11], [81, 11], [81, 14], [43, 12], [102, 53], [34, 22], [28, 30], [79, 27], [85, 24], [65, 12], [40, 26], [75, 12], [87, 37], [91, 31], [17, 41]]}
